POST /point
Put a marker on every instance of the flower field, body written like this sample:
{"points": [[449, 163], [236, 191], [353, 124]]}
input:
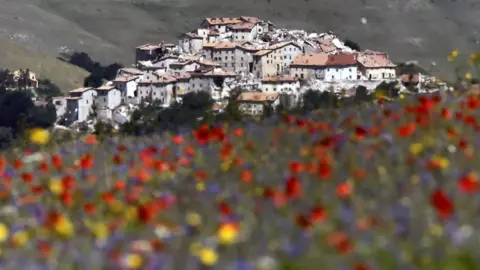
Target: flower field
{"points": [[382, 187]]}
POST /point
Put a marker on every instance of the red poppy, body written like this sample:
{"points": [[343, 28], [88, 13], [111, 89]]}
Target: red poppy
{"points": [[117, 159], [246, 176], [91, 139], [468, 183], [17, 164], [293, 187], [303, 222], [177, 139], [119, 185], [340, 241], [446, 114], [189, 151], [344, 189], [318, 214], [86, 162], [406, 130], [442, 203], [360, 132], [361, 266], [324, 170], [89, 208], [201, 175], [68, 182], [27, 177], [108, 197], [238, 132], [224, 208], [37, 189], [67, 198], [202, 134], [217, 134], [295, 167], [145, 213], [44, 248], [57, 161]]}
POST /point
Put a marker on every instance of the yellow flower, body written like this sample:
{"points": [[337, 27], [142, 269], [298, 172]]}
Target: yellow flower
{"points": [[134, 261], [55, 186], [20, 238], [200, 186], [208, 256], [474, 58], [117, 206], [402, 96], [468, 76], [194, 219], [130, 213], [64, 227], [455, 53], [3, 232], [442, 162], [39, 136], [100, 230], [227, 234], [416, 148]]}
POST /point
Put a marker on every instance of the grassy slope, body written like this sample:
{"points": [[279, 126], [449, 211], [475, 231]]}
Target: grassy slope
{"points": [[66, 76], [426, 30]]}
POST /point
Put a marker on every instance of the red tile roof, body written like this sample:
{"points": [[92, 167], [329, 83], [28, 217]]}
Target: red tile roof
{"points": [[341, 59]]}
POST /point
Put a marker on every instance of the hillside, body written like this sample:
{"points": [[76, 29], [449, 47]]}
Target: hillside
{"points": [[62, 74], [110, 29]]}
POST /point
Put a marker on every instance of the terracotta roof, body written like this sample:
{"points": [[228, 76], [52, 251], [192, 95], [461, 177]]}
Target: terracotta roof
{"points": [[327, 47], [162, 78], [149, 47], [181, 62], [250, 19], [192, 35], [205, 62], [312, 59], [278, 79], [105, 88], [370, 59], [262, 52], [80, 90], [281, 45], [209, 44], [248, 47], [257, 96], [222, 21], [125, 79], [134, 71], [242, 26], [182, 76], [226, 45], [341, 59], [213, 73], [73, 98]]}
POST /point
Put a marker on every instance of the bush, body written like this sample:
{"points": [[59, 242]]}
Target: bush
{"points": [[352, 45]]}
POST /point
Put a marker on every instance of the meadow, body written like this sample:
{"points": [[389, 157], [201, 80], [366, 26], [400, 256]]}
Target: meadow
{"points": [[392, 186]]}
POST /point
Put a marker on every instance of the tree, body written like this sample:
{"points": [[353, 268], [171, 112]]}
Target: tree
{"points": [[6, 137], [361, 94], [42, 116], [352, 45], [47, 89], [313, 100], [15, 105]]}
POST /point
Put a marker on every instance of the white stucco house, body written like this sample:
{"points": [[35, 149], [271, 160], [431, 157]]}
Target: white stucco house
{"points": [[79, 103], [224, 54], [128, 88], [376, 66], [107, 99], [246, 31], [253, 103], [191, 42], [281, 84], [161, 87], [60, 104], [219, 24], [286, 51], [322, 66]]}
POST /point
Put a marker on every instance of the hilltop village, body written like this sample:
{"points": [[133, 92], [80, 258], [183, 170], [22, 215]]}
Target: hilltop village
{"points": [[265, 63]]}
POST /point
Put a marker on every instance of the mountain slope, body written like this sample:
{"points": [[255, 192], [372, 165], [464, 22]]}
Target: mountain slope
{"points": [[425, 30], [64, 75]]}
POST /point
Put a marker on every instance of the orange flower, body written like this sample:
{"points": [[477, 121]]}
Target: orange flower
{"points": [[406, 130], [91, 139], [344, 189], [295, 167], [177, 139], [246, 176]]}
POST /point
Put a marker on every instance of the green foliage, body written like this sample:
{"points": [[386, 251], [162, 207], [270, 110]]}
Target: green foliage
{"points": [[46, 89]]}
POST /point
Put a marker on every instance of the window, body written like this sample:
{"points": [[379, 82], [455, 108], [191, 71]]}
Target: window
{"points": [[241, 58], [232, 57], [226, 57], [233, 64]]}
